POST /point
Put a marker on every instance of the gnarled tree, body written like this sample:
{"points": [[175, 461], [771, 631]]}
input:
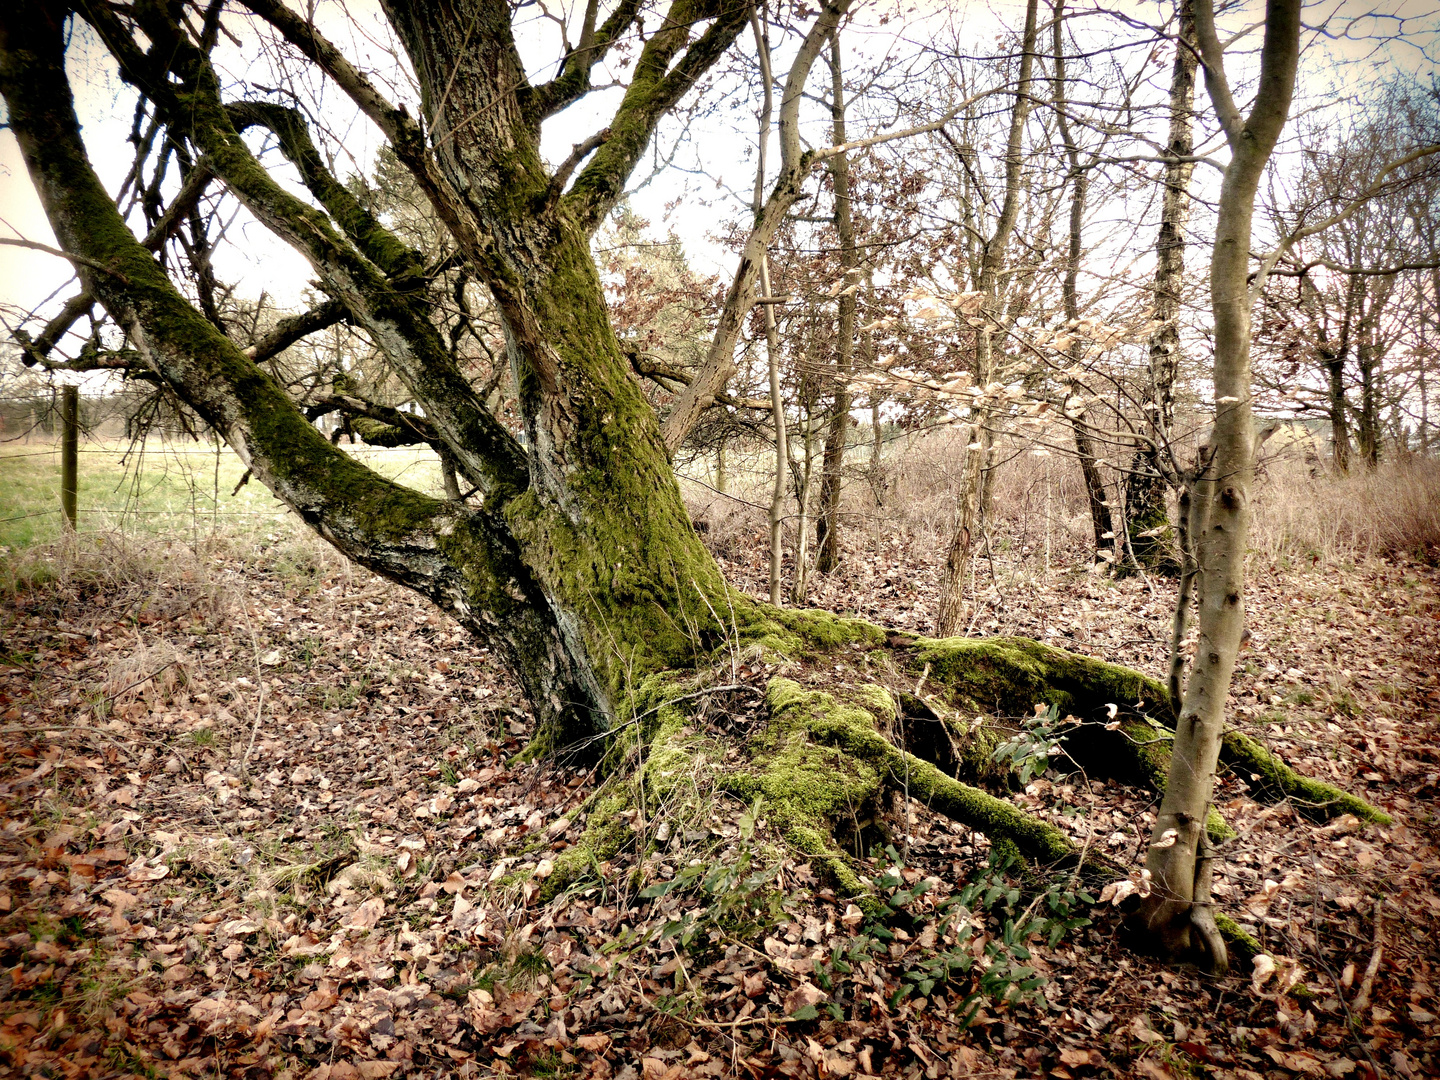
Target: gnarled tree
{"points": [[578, 564]]}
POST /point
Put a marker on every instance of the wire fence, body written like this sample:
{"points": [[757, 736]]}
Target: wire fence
{"points": [[185, 486]]}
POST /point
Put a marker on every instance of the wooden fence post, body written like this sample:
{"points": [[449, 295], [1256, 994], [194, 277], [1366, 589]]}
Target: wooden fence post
{"points": [[69, 452]]}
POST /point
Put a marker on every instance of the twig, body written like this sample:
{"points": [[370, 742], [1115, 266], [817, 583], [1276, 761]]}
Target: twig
{"points": [[259, 699], [1362, 999]]}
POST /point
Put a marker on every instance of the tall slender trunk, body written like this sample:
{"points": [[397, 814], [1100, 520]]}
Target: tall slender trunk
{"points": [[1177, 913], [1368, 429], [950, 612], [1368, 358], [1337, 406], [1152, 471], [782, 443], [772, 336], [804, 484], [827, 526], [1334, 352], [1100, 518]]}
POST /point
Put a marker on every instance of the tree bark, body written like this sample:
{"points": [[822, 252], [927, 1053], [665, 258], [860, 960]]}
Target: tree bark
{"points": [[1152, 472], [1176, 917], [827, 526], [1100, 517], [950, 612]]}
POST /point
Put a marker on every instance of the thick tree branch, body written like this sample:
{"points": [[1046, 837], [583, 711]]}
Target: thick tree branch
{"points": [[1212, 59], [1267, 264], [394, 321], [719, 364], [290, 330], [654, 90], [1353, 271], [406, 136], [186, 199], [464, 560], [37, 352], [572, 81]]}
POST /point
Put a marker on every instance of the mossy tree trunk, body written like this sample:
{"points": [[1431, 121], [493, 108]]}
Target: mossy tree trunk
{"points": [[1152, 472], [580, 566]]}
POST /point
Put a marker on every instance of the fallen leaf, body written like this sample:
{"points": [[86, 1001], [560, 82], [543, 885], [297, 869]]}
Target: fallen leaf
{"points": [[806, 993], [367, 915]]}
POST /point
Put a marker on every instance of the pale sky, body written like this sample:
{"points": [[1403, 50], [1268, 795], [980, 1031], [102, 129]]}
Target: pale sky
{"points": [[258, 262]]}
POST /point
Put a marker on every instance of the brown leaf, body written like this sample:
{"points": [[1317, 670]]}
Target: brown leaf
{"points": [[367, 915], [120, 900], [141, 872], [1153, 1070], [319, 1000], [1082, 1057], [1301, 1062], [806, 993]]}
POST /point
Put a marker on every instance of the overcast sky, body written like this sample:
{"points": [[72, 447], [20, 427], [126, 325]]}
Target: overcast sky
{"points": [[256, 262]]}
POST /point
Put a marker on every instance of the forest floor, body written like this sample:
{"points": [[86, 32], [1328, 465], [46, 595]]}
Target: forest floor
{"points": [[259, 817]]}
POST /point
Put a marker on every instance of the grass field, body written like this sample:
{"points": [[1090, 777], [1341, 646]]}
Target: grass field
{"points": [[159, 487]]}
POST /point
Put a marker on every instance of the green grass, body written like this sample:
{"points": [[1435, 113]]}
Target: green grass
{"points": [[162, 489]]}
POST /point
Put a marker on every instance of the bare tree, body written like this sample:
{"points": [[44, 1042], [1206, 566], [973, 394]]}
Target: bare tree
{"points": [[1177, 913]]}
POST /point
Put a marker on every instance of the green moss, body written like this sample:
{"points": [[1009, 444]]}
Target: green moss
{"points": [[677, 759], [879, 701], [822, 764], [1217, 828], [1009, 676], [1312, 798], [606, 833], [1244, 944]]}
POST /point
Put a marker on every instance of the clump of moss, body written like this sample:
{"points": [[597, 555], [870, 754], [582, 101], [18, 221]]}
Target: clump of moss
{"points": [[1316, 800]]}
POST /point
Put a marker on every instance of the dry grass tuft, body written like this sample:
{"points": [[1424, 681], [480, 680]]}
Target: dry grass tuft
{"points": [[152, 673], [1393, 512]]}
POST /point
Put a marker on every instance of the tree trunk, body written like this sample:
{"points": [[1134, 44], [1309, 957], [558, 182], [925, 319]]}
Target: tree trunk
{"points": [[782, 443], [950, 612], [1100, 519], [1152, 472], [1177, 916], [1338, 408], [579, 567], [827, 526], [950, 616]]}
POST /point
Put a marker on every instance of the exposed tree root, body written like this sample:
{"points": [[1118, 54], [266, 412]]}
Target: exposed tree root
{"points": [[830, 769], [1242, 945], [823, 760], [1009, 676], [1277, 780]]}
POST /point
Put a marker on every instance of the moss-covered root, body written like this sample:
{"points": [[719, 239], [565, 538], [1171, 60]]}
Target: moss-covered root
{"points": [[1010, 676], [1312, 798], [820, 759], [1243, 947]]}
